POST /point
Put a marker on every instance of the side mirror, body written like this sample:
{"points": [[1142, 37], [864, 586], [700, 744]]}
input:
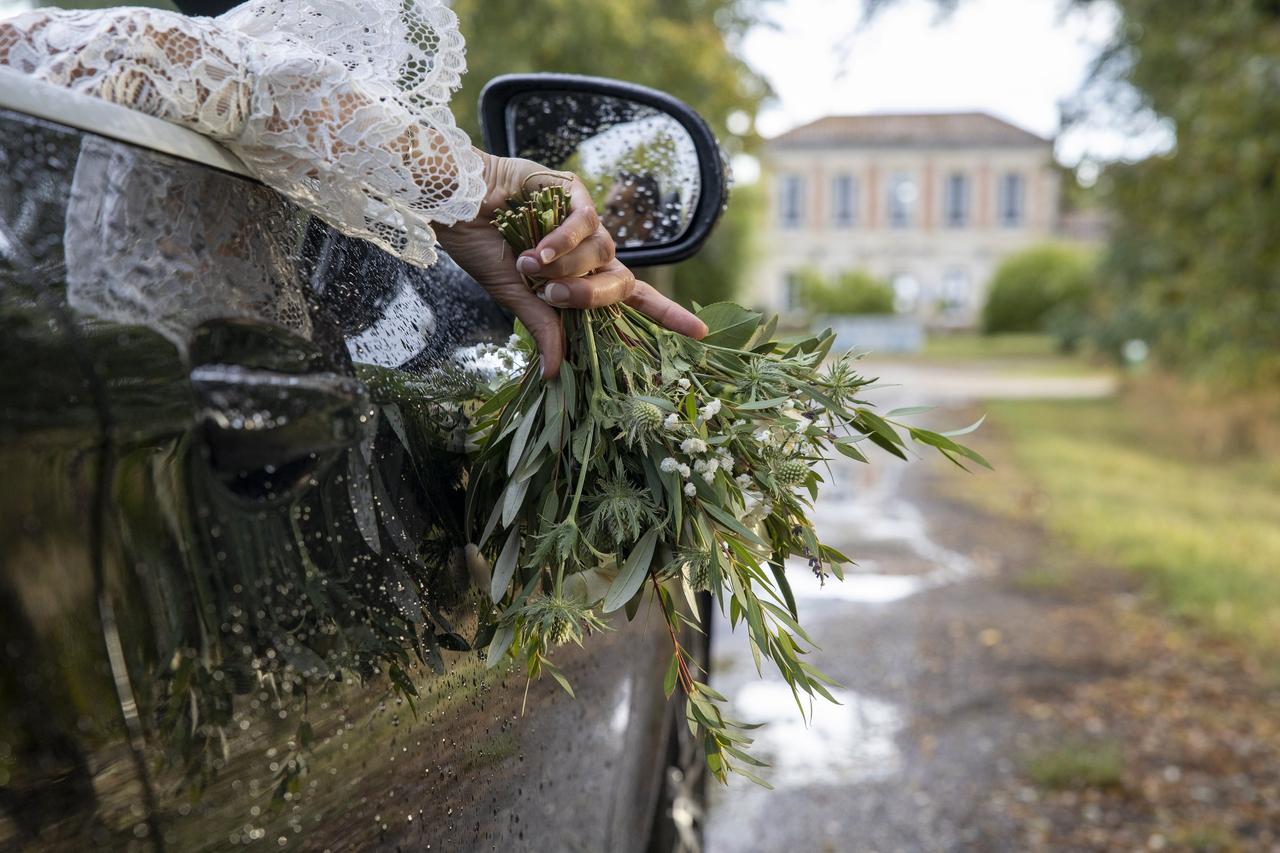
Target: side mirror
{"points": [[652, 164]]}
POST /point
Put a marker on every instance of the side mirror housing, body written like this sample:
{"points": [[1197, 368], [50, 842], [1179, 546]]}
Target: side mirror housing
{"points": [[651, 162]]}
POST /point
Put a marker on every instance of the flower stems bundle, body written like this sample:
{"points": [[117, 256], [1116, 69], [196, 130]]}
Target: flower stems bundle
{"points": [[663, 466]]}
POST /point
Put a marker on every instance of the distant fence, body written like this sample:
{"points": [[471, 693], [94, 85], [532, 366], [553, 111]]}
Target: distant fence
{"points": [[875, 333]]}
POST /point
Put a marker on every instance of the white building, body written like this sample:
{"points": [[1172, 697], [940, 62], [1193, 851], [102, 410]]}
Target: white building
{"points": [[930, 203]]}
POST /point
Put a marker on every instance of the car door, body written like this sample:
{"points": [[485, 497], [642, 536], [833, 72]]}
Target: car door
{"points": [[234, 600]]}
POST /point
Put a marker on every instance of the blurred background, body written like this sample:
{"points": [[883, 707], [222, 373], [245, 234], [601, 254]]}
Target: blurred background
{"points": [[1062, 216]]}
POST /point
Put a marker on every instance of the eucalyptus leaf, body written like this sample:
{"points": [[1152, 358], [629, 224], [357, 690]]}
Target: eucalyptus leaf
{"points": [[633, 573]]}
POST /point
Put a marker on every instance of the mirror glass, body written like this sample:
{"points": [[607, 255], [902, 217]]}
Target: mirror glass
{"points": [[639, 163]]}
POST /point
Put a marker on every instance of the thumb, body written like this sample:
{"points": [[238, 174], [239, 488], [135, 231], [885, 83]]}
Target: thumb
{"points": [[543, 322]]}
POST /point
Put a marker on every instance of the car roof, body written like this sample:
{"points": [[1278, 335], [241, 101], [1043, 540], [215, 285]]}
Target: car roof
{"points": [[24, 94]]}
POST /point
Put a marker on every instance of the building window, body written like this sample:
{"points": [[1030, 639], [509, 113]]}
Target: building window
{"points": [[906, 292], [844, 201], [902, 200], [957, 200], [792, 292], [957, 291], [791, 201], [1011, 201]]}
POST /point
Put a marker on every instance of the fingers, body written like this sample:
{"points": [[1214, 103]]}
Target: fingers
{"points": [[581, 223], [665, 312], [612, 283], [591, 254], [542, 321]]}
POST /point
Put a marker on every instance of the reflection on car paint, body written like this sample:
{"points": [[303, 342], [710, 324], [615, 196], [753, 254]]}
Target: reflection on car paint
{"points": [[232, 600]]}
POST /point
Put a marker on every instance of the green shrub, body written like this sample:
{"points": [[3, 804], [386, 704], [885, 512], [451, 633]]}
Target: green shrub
{"points": [[1041, 289], [853, 292]]}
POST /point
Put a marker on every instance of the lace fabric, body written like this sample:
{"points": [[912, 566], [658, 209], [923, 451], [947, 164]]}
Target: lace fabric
{"points": [[342, 108]]}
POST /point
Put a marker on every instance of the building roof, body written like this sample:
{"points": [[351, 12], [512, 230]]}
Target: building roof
{"points": [[929, 130]]}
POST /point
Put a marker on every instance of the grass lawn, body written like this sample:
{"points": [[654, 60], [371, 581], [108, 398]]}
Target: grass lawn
{"points": [[1111, 482], [972, 345]]}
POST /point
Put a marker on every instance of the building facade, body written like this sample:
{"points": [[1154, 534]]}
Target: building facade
{"points": [[930, 203]]}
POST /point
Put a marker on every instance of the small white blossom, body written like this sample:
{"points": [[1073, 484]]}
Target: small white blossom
{"points": [[693, 445], [668, 465], [709, 476], [683, 383], [690, 489], [672, 422], [700, 465], [684, 471], [710, 410], [763, 436], [743, 480]]}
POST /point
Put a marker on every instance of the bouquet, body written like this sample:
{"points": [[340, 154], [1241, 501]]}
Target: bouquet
{"points": [[663, 466]]}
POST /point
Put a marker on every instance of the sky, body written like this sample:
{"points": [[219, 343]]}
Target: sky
{"points": [[1016, 59]]}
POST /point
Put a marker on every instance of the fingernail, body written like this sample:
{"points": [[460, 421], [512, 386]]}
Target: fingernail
{"points": [[527, 265], [555, 293], [547, 256]]}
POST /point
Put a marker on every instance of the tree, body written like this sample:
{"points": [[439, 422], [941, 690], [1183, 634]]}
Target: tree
{"points": [[1194, 262], [684, 47]]}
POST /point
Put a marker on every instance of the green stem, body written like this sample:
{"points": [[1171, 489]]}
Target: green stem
{"points": [[591, 353], [582, 477]]}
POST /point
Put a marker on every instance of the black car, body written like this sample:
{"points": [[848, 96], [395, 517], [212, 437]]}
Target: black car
{"points": [[235, 604]]}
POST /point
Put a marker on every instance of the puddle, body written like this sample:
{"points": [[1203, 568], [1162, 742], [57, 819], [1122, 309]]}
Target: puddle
{"points": [[860, 588], [843, 744], [859, 507]]}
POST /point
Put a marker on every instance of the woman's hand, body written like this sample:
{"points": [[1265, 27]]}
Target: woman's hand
{"points": [[577, 260]]}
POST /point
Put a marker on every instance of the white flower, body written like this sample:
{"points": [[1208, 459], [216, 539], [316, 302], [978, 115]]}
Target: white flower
{"points": [[668, 465], [712, 465], [693, 445], [672, 422], [690, 489], [700, 465], [710, 410], [683, 383], [684, 470], [743, 480], [709, 476], [763, 436]]}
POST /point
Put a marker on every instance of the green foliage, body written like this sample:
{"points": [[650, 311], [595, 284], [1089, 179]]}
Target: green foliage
{"points": [[684, 47], [1192, 265], [716, 273], [1201, 533], [658, 465], [852, 292], [1044, 288]]}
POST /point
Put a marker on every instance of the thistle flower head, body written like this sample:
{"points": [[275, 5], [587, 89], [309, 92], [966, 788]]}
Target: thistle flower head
{"points": [[553, 620], [791, 472], [558, 545], [639, 419], [619, 512]]}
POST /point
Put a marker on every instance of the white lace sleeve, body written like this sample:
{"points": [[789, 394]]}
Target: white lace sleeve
{"points": [[341, 107]]}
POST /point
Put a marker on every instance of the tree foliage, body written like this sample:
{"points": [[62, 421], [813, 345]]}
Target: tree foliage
{"points": [[1194, 261], [684, 47]]}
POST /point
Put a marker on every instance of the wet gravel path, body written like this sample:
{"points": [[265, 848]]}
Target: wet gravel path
{"points": [[953, 673]]}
